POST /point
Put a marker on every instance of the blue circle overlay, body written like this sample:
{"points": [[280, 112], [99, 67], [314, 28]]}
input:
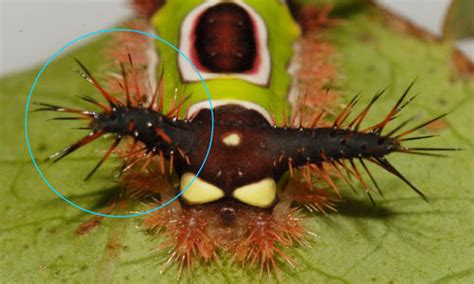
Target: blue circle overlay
{"points": [[103, 31]]}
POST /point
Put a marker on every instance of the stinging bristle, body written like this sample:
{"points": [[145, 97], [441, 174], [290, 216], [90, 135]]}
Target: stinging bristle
{"points": [[370, 176], [113, 101], [400, 126], [384, 163], [416, 138], [125, 85], [420, 126], [96, 103], [138, 93], [360, 117], [345, 112], [50, 107], [68, 150], [102, 160], [158, 91], [377, 128]]}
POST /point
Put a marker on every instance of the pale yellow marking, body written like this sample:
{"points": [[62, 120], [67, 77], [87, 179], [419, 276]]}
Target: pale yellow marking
{"points": [[199, 191], [259, 194], [231, 139]]}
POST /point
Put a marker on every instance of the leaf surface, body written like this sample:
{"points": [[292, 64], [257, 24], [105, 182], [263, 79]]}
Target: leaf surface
{"points": [[401, 240]]}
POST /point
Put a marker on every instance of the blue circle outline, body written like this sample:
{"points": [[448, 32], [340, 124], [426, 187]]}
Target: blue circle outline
{"points": [[102, 31]]}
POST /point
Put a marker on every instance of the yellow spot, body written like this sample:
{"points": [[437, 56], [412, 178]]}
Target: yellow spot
{"points": [[199, 191], [260, 194], [232, 139]]}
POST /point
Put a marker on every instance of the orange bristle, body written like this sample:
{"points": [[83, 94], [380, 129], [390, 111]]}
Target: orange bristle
{"points": [[265, 239], [187, 237]]}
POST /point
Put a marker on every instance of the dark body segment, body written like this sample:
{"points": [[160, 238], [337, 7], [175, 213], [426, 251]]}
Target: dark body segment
{"points": [[262, 150], [225, 39], [266, 151]]}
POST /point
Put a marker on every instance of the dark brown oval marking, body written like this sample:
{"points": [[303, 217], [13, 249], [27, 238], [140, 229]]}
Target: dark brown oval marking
{"points": [[225, 39]]}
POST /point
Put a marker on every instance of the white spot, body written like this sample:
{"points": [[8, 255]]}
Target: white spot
{"points": [[232, 139], [195, 108]]}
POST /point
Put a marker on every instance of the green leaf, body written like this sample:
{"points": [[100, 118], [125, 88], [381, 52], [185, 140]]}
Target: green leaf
{"points": [[459, 22], [401, 240]]}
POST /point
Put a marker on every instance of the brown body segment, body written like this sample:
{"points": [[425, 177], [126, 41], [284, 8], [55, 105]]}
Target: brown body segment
{"points": [[225, 39]]}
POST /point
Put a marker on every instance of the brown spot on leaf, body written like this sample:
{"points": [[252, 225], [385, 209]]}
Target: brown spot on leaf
{"points": [[366, 37], [437, 125], [88, 226], [463, 67]]}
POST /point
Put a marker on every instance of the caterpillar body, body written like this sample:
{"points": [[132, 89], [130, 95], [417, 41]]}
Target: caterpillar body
{"points": [[260, 167]]}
